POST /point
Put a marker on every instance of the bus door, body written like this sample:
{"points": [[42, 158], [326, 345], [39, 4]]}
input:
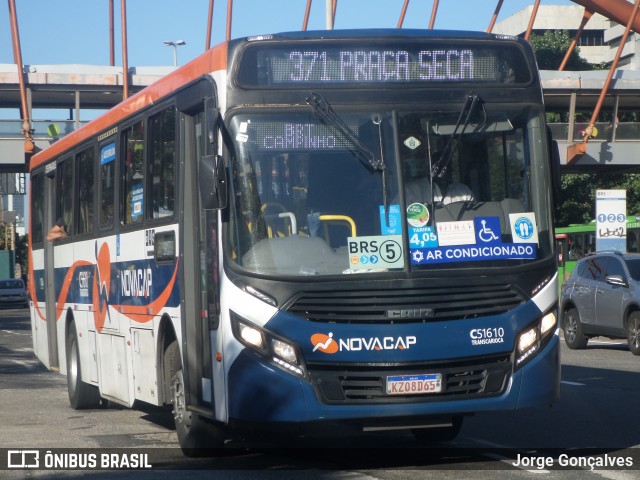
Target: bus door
{"points": [[199, 255], [106, 344], [562, 250], [50, 216]]}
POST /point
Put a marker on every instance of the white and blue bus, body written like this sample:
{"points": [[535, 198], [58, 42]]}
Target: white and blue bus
{"points": [[307, 229]]}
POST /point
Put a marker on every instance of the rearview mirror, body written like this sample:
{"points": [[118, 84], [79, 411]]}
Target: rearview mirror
{"points": [[615, 280], [212, 182]]}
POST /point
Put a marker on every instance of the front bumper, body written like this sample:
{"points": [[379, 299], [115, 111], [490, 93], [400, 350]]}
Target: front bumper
{"points": [[261, 393]]}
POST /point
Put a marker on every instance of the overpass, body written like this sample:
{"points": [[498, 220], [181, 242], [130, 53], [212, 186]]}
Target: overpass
{"points": [[570, 95], [80, 89], [84, 89]]}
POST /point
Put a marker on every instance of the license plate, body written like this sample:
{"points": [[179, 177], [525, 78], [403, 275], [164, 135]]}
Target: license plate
{"points": [[414, 384]]}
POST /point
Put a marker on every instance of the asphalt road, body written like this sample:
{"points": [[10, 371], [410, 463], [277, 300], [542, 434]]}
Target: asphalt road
{"points": [[596, 420]]}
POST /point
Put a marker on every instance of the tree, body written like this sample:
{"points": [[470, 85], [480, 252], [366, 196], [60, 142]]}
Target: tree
{"points": [[578, 192], [22, 253], [551, 47], [576, 202]]}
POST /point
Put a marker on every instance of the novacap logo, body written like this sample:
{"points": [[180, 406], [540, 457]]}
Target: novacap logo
{"points": [[324, 343], [327, 344]]}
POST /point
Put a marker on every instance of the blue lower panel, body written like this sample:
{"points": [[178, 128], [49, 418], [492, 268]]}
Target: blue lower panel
{"points": [[541, 378], [261, 392]]}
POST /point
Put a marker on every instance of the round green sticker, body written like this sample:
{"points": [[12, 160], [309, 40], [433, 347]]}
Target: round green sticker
{"points": [[417, 215]]}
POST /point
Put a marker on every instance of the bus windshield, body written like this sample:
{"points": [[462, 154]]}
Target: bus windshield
{"points": [[450, 189]]}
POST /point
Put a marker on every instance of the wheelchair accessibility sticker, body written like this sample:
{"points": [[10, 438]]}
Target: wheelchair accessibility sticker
{"points": [[487, 230]]}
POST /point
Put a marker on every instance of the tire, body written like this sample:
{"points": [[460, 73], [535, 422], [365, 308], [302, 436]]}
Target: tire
{"points": [[81, 395], [572, 327], [633, 333], [197, 436], [438, 434]]}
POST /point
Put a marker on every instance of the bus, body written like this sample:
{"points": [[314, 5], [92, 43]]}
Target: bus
{"points": [[577, 240], [239, 242]]}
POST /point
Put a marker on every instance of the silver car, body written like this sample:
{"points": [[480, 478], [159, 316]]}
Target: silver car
{"points": [[602, 298], [13, 293]]}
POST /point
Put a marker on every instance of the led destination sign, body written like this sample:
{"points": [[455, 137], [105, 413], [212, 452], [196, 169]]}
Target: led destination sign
{"points": [[296, 136], [304, 64], [379, 66]]}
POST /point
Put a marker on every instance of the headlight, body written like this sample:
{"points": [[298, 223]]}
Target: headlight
{"points": [[274, 349], [285, 351], [535, 337], [251, 336], [527, 340], [548, 323]]}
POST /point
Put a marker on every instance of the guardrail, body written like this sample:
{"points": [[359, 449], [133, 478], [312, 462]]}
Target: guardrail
{"points": [[43, 129], [50, 129], [623, 132]]}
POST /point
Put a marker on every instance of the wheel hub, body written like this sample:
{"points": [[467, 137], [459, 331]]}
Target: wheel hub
{"points": [[180, 413]]}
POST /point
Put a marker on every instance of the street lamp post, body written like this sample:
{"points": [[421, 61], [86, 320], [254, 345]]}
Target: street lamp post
{"points": [[175, 46]]}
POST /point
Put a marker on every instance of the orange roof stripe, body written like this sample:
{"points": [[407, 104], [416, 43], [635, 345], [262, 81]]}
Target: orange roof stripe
{"points": [[210, 61]]}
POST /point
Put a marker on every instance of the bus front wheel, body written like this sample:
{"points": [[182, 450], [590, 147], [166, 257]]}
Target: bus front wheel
{"points": [[81, 395], [196, 435]]}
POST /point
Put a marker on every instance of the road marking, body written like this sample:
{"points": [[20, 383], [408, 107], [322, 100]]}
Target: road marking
{"points": [[614, 474], [605, 342], [506, 460], [487, 443], [11, 332], [509, 461], [31, 365], [573, 383]]}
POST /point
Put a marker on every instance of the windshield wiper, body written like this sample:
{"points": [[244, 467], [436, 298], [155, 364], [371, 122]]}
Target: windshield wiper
{"points": [[464, 118], [377, 120], [324, 112]]}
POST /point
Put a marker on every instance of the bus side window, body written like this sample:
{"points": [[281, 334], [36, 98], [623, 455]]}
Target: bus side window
{"points": [[37, 208], [107, 185], [65, 195], [632, 242], [86, 169], [162, 161], [577, 247], [132, 207]]}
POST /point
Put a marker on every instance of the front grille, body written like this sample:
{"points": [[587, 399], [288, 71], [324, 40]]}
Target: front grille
{"points": [[485, 377], [392, 305]]}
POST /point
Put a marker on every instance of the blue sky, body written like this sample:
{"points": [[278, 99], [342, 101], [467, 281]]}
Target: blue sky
{"points": [[77, 31]]}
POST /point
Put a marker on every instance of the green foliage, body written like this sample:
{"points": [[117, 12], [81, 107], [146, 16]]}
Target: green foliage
{"points": [[22, 253], [550, 49], [553, 117], [577, 202]]}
